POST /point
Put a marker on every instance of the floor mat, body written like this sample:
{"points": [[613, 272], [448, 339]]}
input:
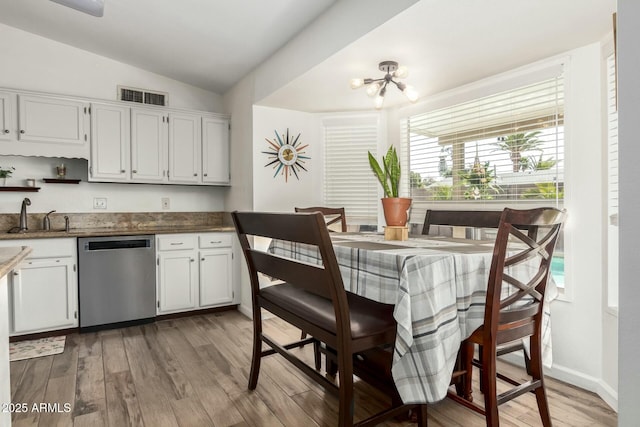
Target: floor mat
{"points": [[36, 348]]}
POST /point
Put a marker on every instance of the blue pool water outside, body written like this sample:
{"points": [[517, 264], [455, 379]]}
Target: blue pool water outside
{"points": [[557, 270]]}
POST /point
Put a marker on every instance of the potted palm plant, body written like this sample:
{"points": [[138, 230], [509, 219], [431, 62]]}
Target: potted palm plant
{"points": [[395, 208]]}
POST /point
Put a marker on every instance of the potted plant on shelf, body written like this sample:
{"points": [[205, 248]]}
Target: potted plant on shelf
{"points": [[395, 208], [5, 173]]}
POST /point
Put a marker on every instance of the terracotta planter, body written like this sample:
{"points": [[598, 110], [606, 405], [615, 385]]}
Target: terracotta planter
{"points": [[395, 210]]}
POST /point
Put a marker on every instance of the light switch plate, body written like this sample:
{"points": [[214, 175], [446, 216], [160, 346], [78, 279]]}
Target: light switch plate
{"points": [[166, 203], [99, 203]]}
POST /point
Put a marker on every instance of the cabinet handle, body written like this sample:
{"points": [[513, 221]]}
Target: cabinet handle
{"points": [[195, 174], [192, 260], [206, 174], [15, 273], [21, 130], [217, 241], [122, 171], [201, 259], [6, 131], [176, 243], [134, 171]]}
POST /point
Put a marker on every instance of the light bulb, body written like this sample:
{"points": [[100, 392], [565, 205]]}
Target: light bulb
{"points": [[373, 89], [356, 83], [411, 94], [379, 101], [401, 72]]}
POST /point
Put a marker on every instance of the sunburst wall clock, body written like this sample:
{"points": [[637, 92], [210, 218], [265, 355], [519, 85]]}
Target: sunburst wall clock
{"points": [[286, 155]]}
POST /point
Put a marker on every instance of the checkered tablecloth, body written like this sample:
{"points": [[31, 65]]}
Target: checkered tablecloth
{"points": [[438, 287]]}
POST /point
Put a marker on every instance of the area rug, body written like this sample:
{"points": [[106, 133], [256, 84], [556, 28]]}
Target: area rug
{"points": [[36, 348]]}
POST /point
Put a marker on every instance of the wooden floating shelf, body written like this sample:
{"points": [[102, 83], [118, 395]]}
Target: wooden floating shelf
{"points": [[28, 189], [60, 181]]}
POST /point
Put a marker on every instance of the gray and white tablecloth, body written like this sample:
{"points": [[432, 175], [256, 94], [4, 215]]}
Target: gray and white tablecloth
{"points": [[438, 287]]}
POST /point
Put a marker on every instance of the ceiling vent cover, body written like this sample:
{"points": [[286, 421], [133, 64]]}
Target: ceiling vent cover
{"points": [[142, 96]]}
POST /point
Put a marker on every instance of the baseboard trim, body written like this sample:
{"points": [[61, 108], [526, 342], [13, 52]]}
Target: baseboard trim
{"points": [[575, 378]]}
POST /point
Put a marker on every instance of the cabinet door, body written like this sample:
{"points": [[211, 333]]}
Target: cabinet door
{"points": [[43, 295], [215, 151], [184, 148], [7, 128], [52, 120], [148, 145], [215, 277], [177, 277], [110, 143]]}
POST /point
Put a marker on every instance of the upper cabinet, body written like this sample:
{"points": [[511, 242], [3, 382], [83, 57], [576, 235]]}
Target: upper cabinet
{"points": [[110, 143], [185, 142], [215, 150], [7, 124], [41, 125], [148, 145]]}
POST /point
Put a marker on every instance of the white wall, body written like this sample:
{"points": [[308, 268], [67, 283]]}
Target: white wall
{"points": [[629, 129], [32, 62], [274, 193]]}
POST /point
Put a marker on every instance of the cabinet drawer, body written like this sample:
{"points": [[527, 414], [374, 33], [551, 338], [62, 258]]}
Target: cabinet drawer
{"points": [[45, 248], [176, 242], [214, 240]]}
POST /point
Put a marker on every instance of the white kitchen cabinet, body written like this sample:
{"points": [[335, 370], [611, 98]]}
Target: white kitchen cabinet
{"points": [[110, 143], [148, 145], [43, 290], [7, 124], [52, 120], [177, 279], [193, 276], [185, 142], [42, 295], [215, 150]]}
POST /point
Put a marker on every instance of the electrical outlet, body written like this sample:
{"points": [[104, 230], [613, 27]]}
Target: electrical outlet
{"points": [[99, 203], [166, 203]]}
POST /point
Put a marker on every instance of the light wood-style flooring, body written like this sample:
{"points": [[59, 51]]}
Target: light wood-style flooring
{"points": [[193, 372]]}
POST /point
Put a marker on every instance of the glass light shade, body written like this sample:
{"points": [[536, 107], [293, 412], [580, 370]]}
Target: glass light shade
{"points": [[411, 94], [373, 89], [401, 72], [379, 101], [356, 83]]}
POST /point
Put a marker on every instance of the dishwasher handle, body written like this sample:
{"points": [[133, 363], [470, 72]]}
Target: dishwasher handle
{"points": [[116, 244]]}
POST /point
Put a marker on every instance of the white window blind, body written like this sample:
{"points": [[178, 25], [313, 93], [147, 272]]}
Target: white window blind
{"points": [[612, 184], [348, 180], [503, 149]]}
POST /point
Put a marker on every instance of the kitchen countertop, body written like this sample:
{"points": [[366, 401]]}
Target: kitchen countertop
{"points": [[113, 231], [11, 257]]}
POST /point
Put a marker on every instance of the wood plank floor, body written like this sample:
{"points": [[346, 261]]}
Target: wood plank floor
{"points": [[193, 372]]}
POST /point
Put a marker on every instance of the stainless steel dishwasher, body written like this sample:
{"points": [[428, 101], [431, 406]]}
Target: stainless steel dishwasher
{"points": [[116, 280]]}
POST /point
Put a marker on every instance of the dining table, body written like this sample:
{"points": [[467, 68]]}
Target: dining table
{"points": [[438, 288]]}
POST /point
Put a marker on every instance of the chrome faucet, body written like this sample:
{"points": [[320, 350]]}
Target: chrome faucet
{"points": [[23, 215], [46, 222]]}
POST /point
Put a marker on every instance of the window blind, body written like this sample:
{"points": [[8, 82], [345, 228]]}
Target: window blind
{"points": [[506, 148], [612, 184], [348, 180]]}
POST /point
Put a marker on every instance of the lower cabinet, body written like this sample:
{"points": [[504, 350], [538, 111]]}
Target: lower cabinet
{"points": [[194, 271], [43, 290]]}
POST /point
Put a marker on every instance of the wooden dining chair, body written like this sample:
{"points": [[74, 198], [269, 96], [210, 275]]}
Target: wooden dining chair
{"points": [[312, 298], [513, 310], [331, 216]]}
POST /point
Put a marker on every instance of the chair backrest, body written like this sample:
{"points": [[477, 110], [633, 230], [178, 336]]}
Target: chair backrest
{"points": [[520, 270], [331, 215], [479, 219], [308, 228]]}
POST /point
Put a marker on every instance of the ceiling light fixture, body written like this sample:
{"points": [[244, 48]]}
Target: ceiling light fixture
{"points": [[92, 7], [378, 87]]}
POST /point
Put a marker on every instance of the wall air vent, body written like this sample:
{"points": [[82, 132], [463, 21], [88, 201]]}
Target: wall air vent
{"points": [[142, 96]]}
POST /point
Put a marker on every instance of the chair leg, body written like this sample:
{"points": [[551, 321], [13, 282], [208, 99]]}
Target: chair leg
{"points": [[422, 415], [303, 335], [535, 366], [316, 355], [346, 403], [257, 352], [488, 374], [467, 360]]}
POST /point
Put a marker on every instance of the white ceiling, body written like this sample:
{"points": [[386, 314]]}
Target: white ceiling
{"points": [[207, 43], [448, 43], [213, 44]]}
